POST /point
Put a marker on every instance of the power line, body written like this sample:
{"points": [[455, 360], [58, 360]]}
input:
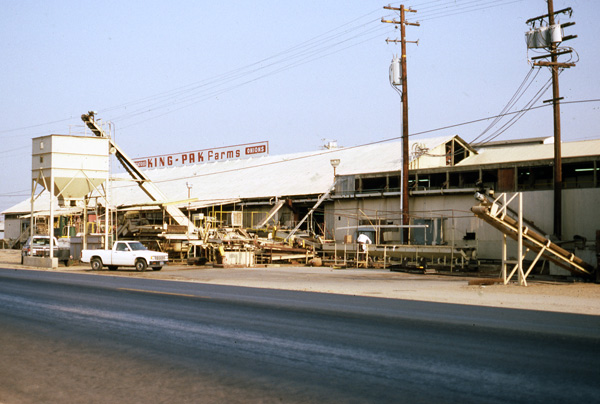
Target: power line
{"points": [[232, 81], [314, 48], [597, 100], [518, 116], [513, 100], [325, 152], [457, 9], [12, 150], [34, 126], [197, 98]]}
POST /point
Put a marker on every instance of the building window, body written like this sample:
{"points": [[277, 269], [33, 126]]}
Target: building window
{"points": [[376, 184], [345, 185], [580, 175], [465, 179], [530, 178], [455, 153], [393, 183], [489, 178]]}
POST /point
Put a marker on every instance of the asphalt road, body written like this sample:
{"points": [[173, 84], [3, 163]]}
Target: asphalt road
{"points": [[102, 339]]}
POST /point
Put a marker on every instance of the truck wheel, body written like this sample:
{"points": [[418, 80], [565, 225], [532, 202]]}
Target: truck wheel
{"points": [[156, 268], [140, 265], [112, 267], [96, 264]]}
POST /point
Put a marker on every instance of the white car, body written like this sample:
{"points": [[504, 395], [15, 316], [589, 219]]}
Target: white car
{"points": [[39, 246]]}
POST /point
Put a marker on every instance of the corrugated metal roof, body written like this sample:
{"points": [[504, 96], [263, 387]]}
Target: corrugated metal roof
{"points": [[308, 173], [520, 153], [41, 206]]}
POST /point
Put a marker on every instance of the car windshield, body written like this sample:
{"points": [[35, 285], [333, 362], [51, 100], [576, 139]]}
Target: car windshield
{"points": [[41, 241], [137, 246]]}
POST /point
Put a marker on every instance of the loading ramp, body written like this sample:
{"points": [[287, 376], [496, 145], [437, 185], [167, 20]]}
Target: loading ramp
{"points": [[496, 214]]}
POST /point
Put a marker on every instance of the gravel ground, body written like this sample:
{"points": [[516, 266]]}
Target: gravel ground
{"points": [[546, 295]]}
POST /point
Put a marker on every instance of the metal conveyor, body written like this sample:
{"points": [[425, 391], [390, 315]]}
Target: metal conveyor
{"points": [[496, 215]]}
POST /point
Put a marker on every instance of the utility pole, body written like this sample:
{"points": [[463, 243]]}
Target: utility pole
{"points": [[551, 43], [404, 186]]}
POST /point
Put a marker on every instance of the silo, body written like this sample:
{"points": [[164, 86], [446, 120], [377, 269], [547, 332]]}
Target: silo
{"points": [[68, 167], [76, 164]]}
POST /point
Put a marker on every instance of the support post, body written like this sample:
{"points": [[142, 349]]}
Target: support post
{"points": [[51, 220], [504, 261], [520, 242]]}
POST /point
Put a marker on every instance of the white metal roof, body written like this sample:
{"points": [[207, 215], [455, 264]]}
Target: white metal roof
{"points": [[308, 173], [520, 153]]}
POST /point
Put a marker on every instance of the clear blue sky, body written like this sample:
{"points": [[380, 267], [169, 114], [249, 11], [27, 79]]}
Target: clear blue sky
{"points": [[189, 75]]}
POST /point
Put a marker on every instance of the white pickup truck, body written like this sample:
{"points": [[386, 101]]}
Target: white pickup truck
{"points": [[125, 254]]}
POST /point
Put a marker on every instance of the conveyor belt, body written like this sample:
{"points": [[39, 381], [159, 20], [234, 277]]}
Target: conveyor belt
{"points": [[143, 181], [535, 242]]}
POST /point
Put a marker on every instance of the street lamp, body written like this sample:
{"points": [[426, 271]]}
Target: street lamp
{"points": [[334, 164], [189, 187]]}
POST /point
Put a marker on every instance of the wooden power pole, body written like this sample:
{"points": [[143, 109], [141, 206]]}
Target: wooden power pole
{"points": [[405, 147], [554, 66]]}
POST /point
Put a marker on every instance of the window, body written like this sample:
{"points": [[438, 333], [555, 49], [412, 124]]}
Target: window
{"points": [[430, 181], [374, 184], [535, 178], [345, 185], [580, 175], [468, 179], [394, 183], [489, 179], [455, 153]]}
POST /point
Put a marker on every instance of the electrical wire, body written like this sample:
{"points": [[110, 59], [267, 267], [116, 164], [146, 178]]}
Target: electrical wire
{"points": [[516, 96], [325, 152], [197, 98], [12, 150], [220, 86], [34, 126], [304, 52], [457, 8], [518, 116], [314, 48]]}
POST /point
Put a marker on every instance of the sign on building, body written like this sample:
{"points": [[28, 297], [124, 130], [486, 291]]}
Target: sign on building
{"points": [[204, 156]]}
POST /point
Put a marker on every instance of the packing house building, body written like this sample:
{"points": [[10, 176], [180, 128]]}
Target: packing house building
{"points": [[361, 194]]}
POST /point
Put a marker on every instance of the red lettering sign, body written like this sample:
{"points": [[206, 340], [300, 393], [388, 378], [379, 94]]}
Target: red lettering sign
{"points": [[201, 156], [256, 149]]}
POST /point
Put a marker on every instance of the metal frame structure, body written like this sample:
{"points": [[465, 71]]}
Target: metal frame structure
{"points": [[496, 214], [143, 181]]}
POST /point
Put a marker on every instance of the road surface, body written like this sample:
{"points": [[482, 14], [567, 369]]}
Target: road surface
{"points": [[103, 339]]}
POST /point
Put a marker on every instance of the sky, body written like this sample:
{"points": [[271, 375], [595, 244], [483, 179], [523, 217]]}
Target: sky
{"points": [[189, 75]]}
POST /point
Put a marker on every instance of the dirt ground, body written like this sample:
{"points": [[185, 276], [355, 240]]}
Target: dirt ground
{"points": [[540, 294]]}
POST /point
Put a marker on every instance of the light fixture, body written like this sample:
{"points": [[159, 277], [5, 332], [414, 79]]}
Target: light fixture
{"points": [[334, 164]]}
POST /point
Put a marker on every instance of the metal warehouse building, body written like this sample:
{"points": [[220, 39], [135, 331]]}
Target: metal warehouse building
{"points": [[361, 194]]}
